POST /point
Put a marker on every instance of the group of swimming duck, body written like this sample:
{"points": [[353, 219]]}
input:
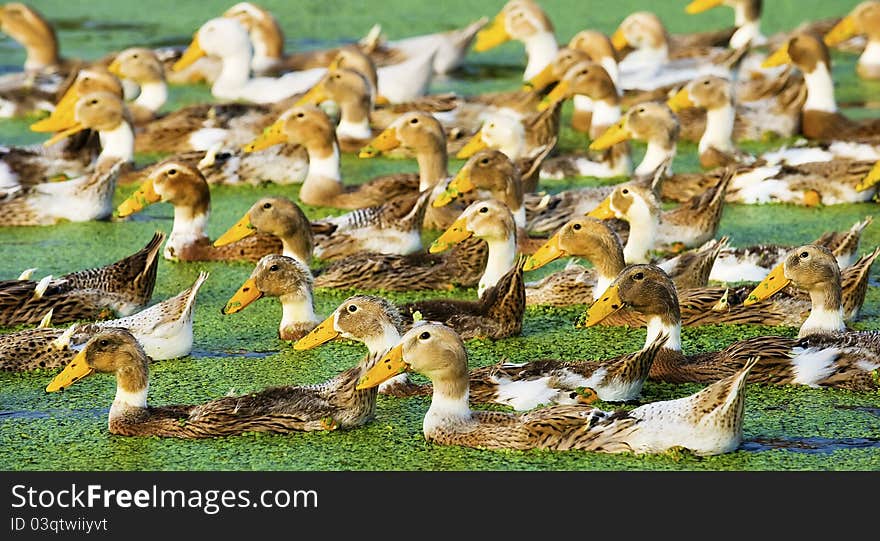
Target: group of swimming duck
{"points": [[287, 117]]}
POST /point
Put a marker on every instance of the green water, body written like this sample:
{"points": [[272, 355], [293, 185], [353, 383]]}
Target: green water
{"points": [[785, 427]]}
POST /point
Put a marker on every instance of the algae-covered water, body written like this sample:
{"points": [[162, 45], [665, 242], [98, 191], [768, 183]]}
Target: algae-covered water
{"points": [[785, 427]]}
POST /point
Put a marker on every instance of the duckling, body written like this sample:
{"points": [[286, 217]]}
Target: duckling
{"points": [[782, 361], [45, 72], [164, 330], [864, 19], [310, 127], [118, 289], [328, 406], [228, 39], [820, 118], [372, 320], [489, 220], [524, 21], [184, 186], [708, 422], [592, 239], [289, 280]]}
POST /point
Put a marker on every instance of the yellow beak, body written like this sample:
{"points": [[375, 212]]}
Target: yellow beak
{"points": [[871, 179], [192, 53], [456, 233], [608, 303], [699, 6], [681, 100], [618, 40], [388, 366], [272, 135], [841, 32], [778, 58], [617, 133], [246, 294], [559, 93], [381, 100], [550, 251], [242, 228], [476, 144], [460, 184], [387, 140], [320, 334], [315, 96], [145, 196], [115, 68], [493, 35], [772, 283], [603, 210], [76, 370], [76, 128], [542, 80], [63, 115]]}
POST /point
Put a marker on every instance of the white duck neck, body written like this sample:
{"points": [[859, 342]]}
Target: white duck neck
{"points": [[153, 95], [541, 49], [117, 143], [820, 90], [656, 326], [323, 164], [871, 54], [826, 312], [655, 155], [235, 72], [445, 407], [642, 232], [296, 308], [719, 129], [187, 229], [384, 341], [126, 400], [502, 254]]}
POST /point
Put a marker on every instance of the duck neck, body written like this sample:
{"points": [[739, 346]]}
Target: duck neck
{"points": [[648, 57], [519, 214], [296, 308], [354, 118], [188, 229], [297, 246], [657, 325], [449, 402], [432, 164], [610, 66], [234, 74], [383, 341], [749, 31], [871, 55], [500, 259], [826, 313], [153, 95], [324, 162], [820, 90], [541, 49], [656, 153], [132, 385], [719, 129], [606, 112], [41, 55], [608, 262], [117, 143], [267, 51], [643, 225]]}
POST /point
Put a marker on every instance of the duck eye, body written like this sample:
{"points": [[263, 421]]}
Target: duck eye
{"points": [[706, 82], [804, 255], [134, 56], [172, 172], [93, 102], [484, 161], [300, 115], [104, 343], [624, 191], [641, 109], [425, 335], [584, 72], [352, 308], [414, 121], [484, 210], [337, 76], [273, 268], [639, 276], [576, 227], [267, 205]]}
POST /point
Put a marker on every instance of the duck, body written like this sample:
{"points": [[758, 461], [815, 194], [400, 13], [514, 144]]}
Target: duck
{"points": [[164, 330], [311, 128], [598, 48], [375, 322], [334, 404], [527, 22], [589, 79], [782, 361], [747, 20], [228, 39], [119, 289], [184, 186], [491, 221], [820, 118], [99, 111], [650, 64], [708, 422], [862, 20], [595, 241], [45, 73], [288, 279], [141, 67], [279, 217]]}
